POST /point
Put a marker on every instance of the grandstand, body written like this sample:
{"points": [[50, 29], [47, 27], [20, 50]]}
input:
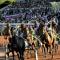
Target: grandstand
{"points": [[29, 10], [25, 11]]}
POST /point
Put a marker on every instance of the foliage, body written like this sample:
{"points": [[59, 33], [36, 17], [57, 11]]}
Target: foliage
{"points": [[55, 6], [2, 1]]}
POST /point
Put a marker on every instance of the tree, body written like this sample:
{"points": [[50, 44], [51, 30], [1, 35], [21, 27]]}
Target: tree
{"points": [[5, 4]]}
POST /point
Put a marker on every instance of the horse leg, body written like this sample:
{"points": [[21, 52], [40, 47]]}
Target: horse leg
{"points": [[36, 54], [7, 56], [30, 52], [21, 55], [27, 52], [7, 53], [47, 47], [18, 55], [13, 54], [56, 48], [44, 50], [50, 49]]}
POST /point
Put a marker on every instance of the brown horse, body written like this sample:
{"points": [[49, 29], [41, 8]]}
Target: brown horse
{"points": [[46, 38], [50, 38]]}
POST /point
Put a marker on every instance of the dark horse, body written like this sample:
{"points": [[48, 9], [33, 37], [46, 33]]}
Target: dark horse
{"points": [[18, 45]]}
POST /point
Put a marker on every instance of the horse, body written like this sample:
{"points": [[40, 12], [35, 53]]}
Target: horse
{"points": [[46, 39], [50, 37], [33, 43], [18, 45], [6, 31]]}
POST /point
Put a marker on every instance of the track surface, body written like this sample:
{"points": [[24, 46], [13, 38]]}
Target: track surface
{"points": [[28, 56]]}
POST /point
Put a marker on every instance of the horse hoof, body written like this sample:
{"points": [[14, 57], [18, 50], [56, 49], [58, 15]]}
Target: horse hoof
{"points": [[27, 57], [7, 54], [50, 52]]}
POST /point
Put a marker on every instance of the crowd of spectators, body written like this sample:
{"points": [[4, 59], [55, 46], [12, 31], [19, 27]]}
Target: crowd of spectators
{"points": [[18, 12]]}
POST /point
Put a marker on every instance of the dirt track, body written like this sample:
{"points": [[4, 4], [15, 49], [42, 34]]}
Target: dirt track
{"points": [[31, 56], [49, 57]]}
